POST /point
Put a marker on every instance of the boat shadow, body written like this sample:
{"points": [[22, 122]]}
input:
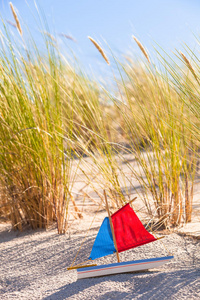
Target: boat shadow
{"points": [[153, 284]]}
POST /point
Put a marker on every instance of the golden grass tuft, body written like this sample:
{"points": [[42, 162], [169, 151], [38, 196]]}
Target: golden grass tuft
{"points": [[189, 65], [99, 49], [16, 18], [142, 48]]}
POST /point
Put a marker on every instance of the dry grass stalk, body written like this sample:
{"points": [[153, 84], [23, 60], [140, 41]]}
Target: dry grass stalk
{"points": [[75, 207], [99, 203], [187, 206], [11, 23], [50, 36], [142, 48], [188, 201], [69, 37], [189, 65], [16, 18], [99, 49]]}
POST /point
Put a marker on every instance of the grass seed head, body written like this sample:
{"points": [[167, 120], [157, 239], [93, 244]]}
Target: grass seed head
{"points": [[142, 48], [99, 49], [187, 61], [16, 18], [189, 65]]}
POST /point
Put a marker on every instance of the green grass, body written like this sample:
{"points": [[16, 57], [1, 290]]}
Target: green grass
{"points": [[35, 165], [157, 123], [52, 113]]}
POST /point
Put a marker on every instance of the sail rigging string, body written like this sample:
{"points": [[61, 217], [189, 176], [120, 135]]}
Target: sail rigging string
{"points": [[85, 239], [170, 253], [150, 227]]}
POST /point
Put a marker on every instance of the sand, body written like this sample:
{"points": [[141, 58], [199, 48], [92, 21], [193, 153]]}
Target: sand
{"points": [[34, 266]]}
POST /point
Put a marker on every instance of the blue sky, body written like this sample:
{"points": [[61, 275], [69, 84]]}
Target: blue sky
{"points": [[169, 23]]}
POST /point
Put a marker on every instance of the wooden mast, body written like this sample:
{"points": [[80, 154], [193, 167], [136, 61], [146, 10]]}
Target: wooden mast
{"points": [[111, 226]]}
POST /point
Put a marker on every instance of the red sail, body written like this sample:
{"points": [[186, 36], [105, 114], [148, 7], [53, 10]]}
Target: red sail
{"points": [[129, 231]]}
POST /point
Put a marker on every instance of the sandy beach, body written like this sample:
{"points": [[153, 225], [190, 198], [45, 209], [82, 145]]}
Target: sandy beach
{"points": [[34, 266], [34, 263], [99, 117]]}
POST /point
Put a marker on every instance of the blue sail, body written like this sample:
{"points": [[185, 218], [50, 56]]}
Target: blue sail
{"points": [[103, 244]]}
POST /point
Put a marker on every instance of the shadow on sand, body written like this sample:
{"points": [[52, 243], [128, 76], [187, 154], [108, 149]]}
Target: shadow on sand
{"points": [[154, 285]]}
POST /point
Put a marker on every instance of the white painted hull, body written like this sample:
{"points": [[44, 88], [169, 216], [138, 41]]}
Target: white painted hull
{"points": [[123, 267]]}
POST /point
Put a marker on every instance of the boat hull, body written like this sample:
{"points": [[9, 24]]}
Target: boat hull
{"points": [[122, 267]]}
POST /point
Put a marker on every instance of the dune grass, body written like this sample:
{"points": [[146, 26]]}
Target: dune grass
{"points": [[157, 124], [35, 163], [51, 114]]}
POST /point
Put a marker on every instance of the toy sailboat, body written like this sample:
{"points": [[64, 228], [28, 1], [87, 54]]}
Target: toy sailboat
{"points": [[120, 232]]}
